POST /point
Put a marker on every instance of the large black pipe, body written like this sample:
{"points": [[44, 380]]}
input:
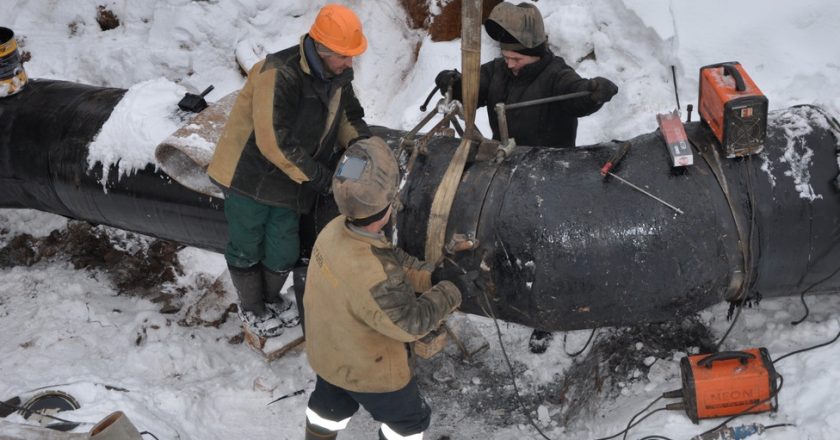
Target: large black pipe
{"points": [[561, 247]]}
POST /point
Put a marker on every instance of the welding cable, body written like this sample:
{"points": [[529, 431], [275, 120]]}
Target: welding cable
{"points": [[509, 365], [577, 353], [630, 423], [802, 350], [802, 296]]}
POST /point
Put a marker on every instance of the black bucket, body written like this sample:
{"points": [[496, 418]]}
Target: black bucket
{"points": [[12, 75]]}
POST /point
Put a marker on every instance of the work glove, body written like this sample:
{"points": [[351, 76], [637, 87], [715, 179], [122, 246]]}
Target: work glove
{"points": [[602, 89], [321, 182], [447, 77], [471, 281]]}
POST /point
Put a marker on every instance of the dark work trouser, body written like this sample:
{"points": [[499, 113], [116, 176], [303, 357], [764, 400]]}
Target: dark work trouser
{"points": [[403, 413]]}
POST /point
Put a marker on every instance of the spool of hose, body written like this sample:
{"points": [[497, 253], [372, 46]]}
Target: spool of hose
{"points": [[12, 75]]}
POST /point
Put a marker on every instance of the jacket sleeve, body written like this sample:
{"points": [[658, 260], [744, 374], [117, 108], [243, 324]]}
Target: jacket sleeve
{"points": [[352, 125], [276, 98], [568, 81], [417, 272], [400, 314]]}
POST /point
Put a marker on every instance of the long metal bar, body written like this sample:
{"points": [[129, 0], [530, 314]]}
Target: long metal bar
{"points": [[546, 100], [647, 193]]}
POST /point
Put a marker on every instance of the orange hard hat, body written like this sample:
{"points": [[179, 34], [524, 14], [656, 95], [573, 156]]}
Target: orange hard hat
{"points": [[338, 28]]}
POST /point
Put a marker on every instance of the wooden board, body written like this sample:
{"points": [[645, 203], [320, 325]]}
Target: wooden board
{"points": [[276, 347]]}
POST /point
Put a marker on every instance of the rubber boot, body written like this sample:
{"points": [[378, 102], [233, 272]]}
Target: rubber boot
{"points": [[280, 307], [273, 282], [539, 341], [299, 282], [249, 287], [318, 433]]}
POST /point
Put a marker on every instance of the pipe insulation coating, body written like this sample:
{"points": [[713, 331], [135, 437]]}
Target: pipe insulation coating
{"points": [[560, 247]]}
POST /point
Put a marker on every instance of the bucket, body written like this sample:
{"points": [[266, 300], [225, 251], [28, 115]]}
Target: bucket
{"points": [[12, 76]]}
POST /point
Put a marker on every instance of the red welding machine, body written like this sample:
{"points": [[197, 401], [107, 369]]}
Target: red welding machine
{"points": [[728, 383], [734, 108]]}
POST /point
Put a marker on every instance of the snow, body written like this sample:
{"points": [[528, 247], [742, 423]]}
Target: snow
{"points": [[71, 329]]}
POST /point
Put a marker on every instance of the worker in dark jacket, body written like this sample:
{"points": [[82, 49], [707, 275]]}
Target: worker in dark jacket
{"points": [[528, 70], [361, 308], [276, 154]]}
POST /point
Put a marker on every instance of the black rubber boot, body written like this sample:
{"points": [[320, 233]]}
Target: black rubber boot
{"points": [[249, 286], [273, 283], [317, 433], [538, 343]]}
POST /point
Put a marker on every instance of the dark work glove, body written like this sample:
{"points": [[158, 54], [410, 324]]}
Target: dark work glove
{"points": [[470, 282], [602, 89], [321, 182], [447, 77]]}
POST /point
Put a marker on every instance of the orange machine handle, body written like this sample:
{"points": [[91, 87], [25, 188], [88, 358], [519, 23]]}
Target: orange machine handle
{"points": [[742, 356]]}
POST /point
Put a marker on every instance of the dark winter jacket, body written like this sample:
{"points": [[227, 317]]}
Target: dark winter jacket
{"points": [[361, 308], [279, 144], [549, 125]]}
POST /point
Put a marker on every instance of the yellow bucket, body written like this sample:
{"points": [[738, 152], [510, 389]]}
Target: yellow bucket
{"points": [[12, 76]]}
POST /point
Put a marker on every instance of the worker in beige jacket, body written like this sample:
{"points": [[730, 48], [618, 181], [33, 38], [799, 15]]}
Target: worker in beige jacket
{"points": [[361, 307]]}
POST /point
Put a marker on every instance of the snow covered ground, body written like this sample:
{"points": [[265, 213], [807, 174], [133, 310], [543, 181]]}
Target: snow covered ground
{"points": [[72, 330]]}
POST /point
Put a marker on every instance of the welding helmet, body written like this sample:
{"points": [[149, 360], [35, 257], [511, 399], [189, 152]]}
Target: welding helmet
{"points": [[366, 179], [519, 28]]}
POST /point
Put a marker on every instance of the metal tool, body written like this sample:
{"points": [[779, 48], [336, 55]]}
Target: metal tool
{"points": [[614, 161], [678, 210], [194, 103]]}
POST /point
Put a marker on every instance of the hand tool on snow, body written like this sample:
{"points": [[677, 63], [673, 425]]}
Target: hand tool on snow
{"points": [[194, 103]]}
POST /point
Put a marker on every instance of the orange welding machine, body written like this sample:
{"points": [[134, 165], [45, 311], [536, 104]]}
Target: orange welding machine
{"points": [[728, 383], [734, 108]]}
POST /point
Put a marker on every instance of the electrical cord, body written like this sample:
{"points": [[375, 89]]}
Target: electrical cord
{"points": [[509, 365], [630, 423], [802, 296], [802, 350], [577, 353]]}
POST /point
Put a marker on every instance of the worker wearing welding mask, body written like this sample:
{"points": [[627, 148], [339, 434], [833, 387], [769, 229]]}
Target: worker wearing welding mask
{"points": [[287, 129], [528, 70]]}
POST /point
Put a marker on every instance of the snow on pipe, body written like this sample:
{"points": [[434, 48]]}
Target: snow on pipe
{"points": [[560, 247]]}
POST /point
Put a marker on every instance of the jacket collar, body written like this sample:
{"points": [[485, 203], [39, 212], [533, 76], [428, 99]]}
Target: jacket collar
{"points": [[376, 240], [311, 64]]}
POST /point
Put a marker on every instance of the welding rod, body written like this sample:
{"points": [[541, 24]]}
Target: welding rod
{"points": [[647, 193]]}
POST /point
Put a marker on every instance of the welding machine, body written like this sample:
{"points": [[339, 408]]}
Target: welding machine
{"points": [[728, 383], [734, 108]]}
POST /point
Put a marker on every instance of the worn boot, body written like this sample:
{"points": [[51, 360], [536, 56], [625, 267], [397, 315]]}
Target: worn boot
{"points": [[538, 343], [314, 432], [252, 310], [275, 302]]}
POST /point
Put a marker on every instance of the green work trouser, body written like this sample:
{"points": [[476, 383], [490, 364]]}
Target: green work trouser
{"points": [[259, 233]]}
